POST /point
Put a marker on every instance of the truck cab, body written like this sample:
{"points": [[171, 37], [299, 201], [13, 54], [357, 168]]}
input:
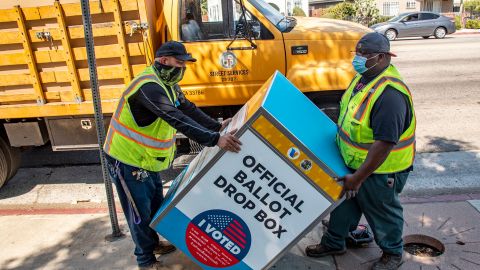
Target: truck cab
{"points": [[239, 44]]}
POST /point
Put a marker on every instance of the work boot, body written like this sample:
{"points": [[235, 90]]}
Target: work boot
{"points": [[388, 262], [320, 250], [163, 248], [154, 266]]}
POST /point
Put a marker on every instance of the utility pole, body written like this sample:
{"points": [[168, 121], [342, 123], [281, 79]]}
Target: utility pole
{"points": [[97, 106]]}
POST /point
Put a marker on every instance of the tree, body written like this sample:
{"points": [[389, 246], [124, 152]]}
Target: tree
{"points": [[298, 11], [342, 11], [472, 5], [366, 11]]}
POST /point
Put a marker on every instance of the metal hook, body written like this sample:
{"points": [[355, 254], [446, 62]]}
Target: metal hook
{"points": [[46, 36], [138, 27]]}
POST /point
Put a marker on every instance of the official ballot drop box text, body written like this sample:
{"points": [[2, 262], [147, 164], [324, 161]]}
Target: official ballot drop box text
{"points": [[244, 210]]}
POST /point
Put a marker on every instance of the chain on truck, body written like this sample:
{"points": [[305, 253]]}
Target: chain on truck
{"points": [[45, 95]]}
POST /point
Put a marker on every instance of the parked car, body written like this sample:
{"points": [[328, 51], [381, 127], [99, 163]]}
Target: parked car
{"points": [[416, 24]]}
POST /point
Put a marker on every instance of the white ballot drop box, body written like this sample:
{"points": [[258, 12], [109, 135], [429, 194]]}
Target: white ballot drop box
{"points": [[244, 210]]}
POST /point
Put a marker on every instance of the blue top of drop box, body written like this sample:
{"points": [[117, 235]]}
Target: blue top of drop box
{"points": [[305, 121]]}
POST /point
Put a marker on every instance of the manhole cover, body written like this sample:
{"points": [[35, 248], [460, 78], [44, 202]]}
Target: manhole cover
{"points": [[423, 245]]}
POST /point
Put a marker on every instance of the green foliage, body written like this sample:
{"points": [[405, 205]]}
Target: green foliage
{"points": [[380, 19], [366, 11], [458, 22], [472, 5], [204, 7], [342, 11], [472, 24], [361, 11], [298, 11]]}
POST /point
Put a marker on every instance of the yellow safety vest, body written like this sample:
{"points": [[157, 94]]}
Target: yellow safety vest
{"points": [[355, 135], [152, 147]]}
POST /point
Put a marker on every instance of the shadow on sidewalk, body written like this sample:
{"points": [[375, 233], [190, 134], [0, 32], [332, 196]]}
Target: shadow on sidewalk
{"points": [[80, 246], [448, 169], [441, 144]]}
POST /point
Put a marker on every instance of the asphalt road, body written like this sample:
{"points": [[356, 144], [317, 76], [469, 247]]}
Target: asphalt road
{"points": [[443, 75], [444, 78]]}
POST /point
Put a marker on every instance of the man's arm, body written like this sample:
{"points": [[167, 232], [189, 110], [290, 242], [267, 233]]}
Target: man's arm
{"points": [[191, 110], [153, 97], [377, 154]]}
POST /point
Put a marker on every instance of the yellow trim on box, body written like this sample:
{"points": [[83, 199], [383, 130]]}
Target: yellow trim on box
{"points": [[282, 143]]}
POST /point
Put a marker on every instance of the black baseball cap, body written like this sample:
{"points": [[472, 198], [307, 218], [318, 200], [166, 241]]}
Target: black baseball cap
{"points": [[175, 49], [374, 43]]}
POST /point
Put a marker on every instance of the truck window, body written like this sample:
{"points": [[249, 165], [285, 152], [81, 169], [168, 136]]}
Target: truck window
{"points": [[280, 21], [202, 20]]}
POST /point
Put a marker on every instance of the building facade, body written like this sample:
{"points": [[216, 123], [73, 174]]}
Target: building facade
{"points": [[286, 6], [391, 7], [395, 7]]}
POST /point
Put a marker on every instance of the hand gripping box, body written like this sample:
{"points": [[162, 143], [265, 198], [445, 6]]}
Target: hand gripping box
{"points": [[244, 210]]}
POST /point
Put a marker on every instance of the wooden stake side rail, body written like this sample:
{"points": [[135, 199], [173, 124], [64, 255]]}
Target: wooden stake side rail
{"points": [[72, 9], [43, 57], [34, 78]]}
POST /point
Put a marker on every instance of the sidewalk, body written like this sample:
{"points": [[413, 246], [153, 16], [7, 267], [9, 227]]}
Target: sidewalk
{"points": [[76, 241], [57, 218], [467, 32], [81, 186]]}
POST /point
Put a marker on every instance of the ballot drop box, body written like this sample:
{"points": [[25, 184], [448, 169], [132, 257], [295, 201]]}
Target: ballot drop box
{"points": [[244, 210]]}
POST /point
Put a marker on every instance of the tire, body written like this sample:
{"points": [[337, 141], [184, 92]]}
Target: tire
{"points": [[440, 32], [12, 159], [332, 110], [327, 101], [391, 34], [3, 169], [425, 37]]}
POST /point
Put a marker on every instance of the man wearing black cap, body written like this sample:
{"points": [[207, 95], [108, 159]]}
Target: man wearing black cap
{"points": [[141, 142], [376, 137]]}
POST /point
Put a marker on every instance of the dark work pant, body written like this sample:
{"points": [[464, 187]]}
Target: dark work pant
{"points": [[382, 209], [148, 196]]}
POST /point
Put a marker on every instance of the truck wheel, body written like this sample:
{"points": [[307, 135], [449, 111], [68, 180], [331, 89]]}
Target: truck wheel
{"points": [[10, 158], [332, 110], [3, 169]]}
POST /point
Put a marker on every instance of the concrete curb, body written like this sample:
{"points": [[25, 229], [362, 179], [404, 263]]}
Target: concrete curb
{"points": [[468, 32], [80, 186], [445, 173]]}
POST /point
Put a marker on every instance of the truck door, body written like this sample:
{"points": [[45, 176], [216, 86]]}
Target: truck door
{"points": [[236, 47]]}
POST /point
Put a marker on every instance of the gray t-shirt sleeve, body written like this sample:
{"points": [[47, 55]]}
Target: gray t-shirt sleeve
{"points": [[390, 116]]}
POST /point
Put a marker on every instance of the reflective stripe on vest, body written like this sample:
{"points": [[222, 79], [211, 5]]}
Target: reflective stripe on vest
{"points": [[366, 146], [141, 138], [129, 89], [366, 101]]}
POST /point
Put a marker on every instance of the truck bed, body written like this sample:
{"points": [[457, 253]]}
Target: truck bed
{"points": [[43, 60]]}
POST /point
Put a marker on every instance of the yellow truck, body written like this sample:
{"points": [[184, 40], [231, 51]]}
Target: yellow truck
{"points": [[45, 93]]}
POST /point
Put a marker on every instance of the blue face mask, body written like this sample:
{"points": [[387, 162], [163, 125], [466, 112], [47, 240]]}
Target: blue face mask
{"points": [[359, 63]]}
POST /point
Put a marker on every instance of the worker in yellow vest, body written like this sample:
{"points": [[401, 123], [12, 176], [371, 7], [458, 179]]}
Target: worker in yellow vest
{"points": [[141, 142], [376, 138]]}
